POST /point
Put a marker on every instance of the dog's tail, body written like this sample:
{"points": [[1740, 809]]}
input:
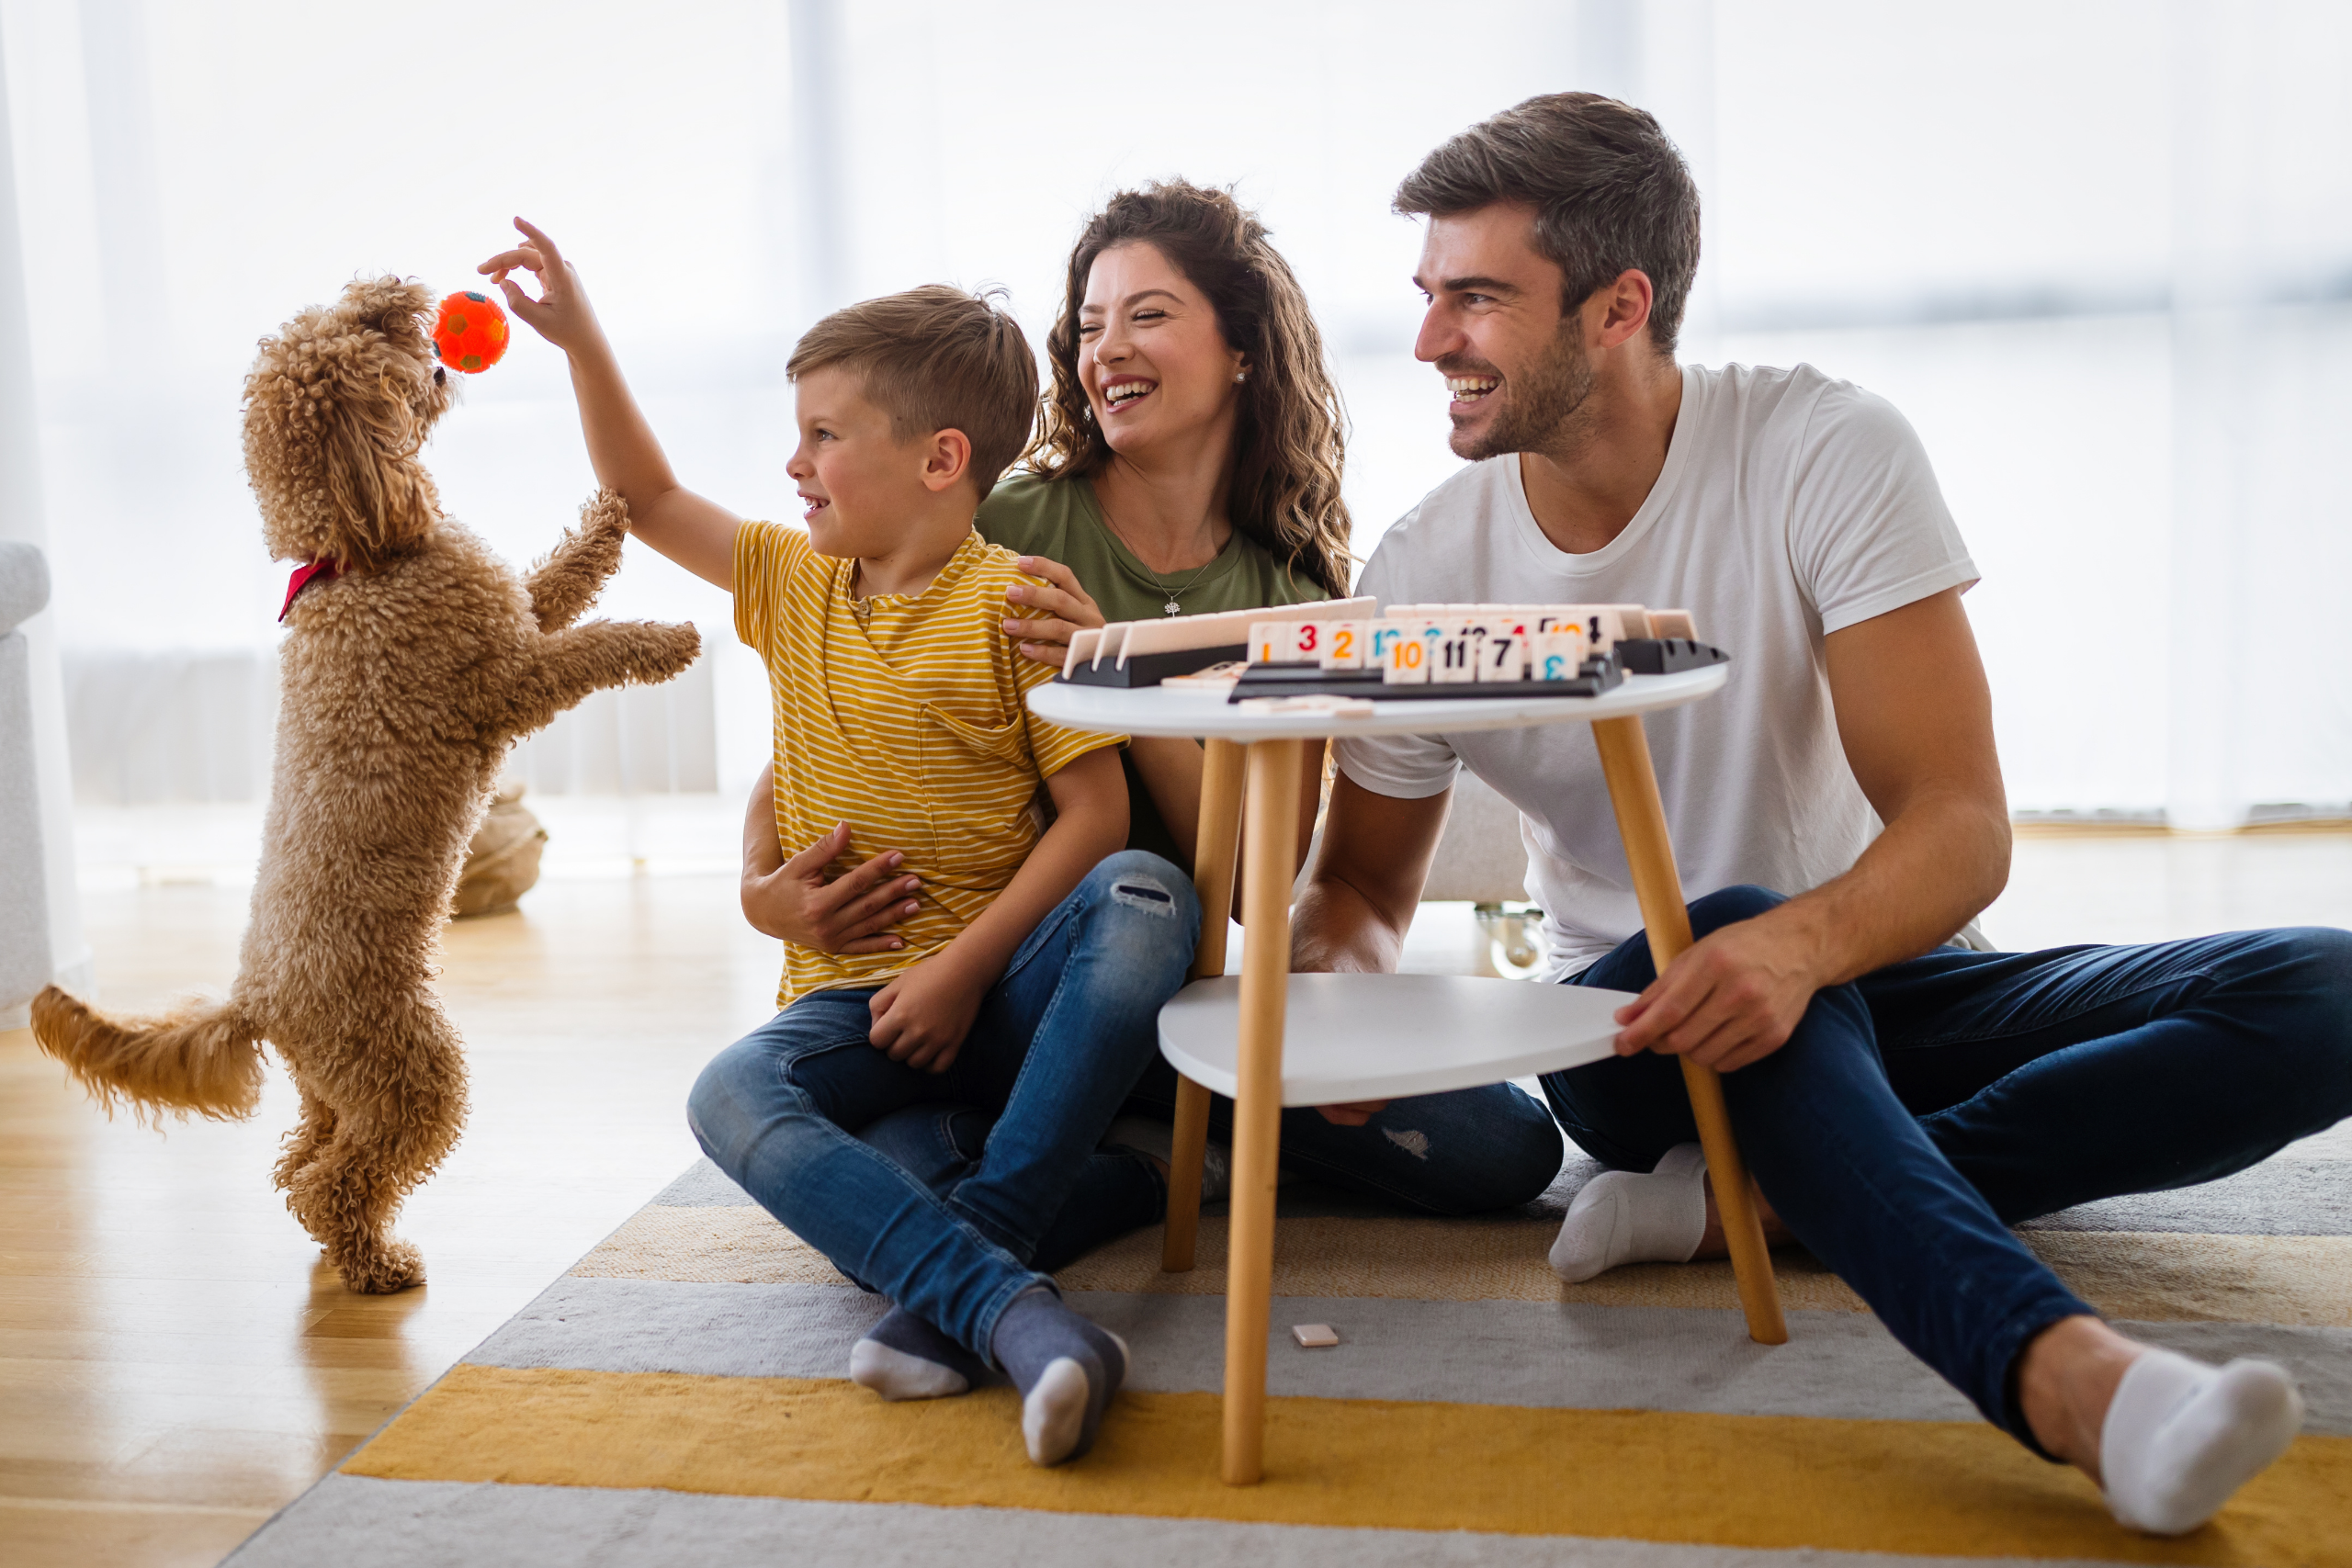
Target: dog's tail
{"points": [[203, 1057]]}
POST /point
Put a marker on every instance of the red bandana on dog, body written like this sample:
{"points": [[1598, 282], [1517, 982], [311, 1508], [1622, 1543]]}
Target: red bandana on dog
{"points": [[303, 576]]}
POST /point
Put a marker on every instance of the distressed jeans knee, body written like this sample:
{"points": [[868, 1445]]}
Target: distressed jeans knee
{"points": [[1148, 894], [1145, 912]]}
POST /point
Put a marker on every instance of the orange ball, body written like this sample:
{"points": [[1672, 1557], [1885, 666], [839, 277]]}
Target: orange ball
{"points": [[470, 332]]}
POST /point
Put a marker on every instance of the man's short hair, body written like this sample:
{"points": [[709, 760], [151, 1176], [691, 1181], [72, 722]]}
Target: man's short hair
{"points": [[1609, 192], [936, 358]]}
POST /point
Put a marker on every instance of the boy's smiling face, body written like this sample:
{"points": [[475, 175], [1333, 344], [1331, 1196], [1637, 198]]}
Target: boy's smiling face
{"points": [[864, 487]]}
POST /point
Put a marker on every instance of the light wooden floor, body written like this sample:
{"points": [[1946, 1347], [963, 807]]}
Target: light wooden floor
{"points": [[173, 1365]]}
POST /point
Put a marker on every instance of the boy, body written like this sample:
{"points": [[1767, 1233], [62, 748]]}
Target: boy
{"points": [[1030, 977]]}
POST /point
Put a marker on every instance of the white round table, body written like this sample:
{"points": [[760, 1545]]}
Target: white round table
{"points": [[1195, 713], [1377, 1036]]}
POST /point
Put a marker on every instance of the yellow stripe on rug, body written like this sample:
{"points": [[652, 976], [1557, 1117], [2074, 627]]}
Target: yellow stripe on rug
{"points": [[2146, 1277], [1771, 1482]]}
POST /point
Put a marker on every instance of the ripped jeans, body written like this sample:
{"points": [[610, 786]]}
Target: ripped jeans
{"points": [[1057, 1045]]}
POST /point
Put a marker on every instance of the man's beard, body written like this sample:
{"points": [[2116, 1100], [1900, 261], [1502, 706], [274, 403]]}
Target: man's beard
{"points": [[1540, 403]]}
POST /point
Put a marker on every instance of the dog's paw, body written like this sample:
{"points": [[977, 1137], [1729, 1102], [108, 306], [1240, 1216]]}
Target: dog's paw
{"points": [[604, 514], [672, 646], [380, 1268]]}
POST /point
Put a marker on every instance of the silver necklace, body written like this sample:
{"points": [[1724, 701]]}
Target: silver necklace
{"points": [[1171, 607]]}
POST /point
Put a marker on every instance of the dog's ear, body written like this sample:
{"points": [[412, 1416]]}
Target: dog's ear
{"points": [[337, 408], [398, 308], [381, 500]]}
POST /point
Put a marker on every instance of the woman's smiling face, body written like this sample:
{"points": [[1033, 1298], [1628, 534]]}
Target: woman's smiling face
{"points": [[1155, 365]]}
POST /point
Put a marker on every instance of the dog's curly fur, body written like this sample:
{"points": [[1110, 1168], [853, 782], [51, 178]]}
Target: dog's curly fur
{"points": [[405, 681]]}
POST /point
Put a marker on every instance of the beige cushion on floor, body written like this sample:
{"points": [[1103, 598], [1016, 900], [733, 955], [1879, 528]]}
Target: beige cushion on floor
{"points": [[503, 862]]}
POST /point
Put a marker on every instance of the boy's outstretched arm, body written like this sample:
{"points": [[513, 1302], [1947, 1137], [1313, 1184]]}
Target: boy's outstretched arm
{"points": [[922, 1016], [698, 534]]}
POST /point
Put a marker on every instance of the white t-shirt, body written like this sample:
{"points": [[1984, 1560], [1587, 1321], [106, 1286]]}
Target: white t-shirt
{"points": [[1790, 505]]}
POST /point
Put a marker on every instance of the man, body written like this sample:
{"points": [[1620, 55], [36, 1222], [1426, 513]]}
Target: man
{"points": [[1902, 1099]]}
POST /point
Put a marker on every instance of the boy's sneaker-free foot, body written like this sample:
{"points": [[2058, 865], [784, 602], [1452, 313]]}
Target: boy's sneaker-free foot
{"points": [[1066, 1367], [902, 1356]]}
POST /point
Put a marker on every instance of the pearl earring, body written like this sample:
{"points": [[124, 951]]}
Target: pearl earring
{"points": [[1240, 376]]}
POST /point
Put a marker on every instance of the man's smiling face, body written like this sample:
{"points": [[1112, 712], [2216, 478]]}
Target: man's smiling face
{"points": [[1515, 364]]}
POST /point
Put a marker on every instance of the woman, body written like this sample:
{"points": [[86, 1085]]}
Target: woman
{"points": [[1189, 456], [1188, 461]]}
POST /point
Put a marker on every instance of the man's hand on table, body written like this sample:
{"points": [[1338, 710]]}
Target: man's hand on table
{"points": [[1731, 998]]}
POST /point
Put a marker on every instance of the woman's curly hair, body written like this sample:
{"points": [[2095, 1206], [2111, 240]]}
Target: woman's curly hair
{"points": [[1292, 434]]}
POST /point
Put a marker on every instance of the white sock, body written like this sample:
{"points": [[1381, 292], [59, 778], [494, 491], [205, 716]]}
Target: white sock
{"points": [[2181, 1437], [1067, 1368], [1623, 1216], [894, 1374], [903, 1357], [1158, 1140]]}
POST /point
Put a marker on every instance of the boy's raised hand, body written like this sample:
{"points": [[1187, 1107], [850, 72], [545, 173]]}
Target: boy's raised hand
{"points": [[696, 533], [561, 313]]}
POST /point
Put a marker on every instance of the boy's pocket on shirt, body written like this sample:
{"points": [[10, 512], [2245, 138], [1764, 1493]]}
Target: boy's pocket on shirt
{"points": [[979, 779]]}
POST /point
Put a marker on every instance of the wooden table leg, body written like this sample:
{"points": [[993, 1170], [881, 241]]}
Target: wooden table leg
{"points": [[1222, 766], [1271, 847], [1641, 823]]}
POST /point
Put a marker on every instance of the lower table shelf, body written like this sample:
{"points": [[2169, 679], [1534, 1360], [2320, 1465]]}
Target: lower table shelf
{"points": [[1348, 1037]]}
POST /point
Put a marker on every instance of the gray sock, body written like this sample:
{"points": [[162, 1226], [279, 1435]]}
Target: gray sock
{"points": [[1066, 1367], [904, 1358]]}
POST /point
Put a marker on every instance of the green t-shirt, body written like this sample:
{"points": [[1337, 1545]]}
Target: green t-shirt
{"points": [[1060, 519]]}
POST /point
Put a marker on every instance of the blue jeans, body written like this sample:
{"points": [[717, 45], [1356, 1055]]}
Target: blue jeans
{"points": [[1441, 1153], [1920, 1111], [1459, 1153], [1059, 1043]]}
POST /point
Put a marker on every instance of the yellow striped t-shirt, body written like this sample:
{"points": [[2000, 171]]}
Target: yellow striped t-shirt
{"points": [[902, 715]]}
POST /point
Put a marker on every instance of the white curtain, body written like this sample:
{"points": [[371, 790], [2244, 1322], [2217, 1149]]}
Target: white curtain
{"points": [[50, 916], [2107, 276]]}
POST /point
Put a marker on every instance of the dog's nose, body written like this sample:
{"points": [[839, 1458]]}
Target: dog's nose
{"points": [[439, 374]]}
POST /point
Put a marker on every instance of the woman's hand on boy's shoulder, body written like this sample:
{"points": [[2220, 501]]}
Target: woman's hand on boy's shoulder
{"points": [[1058, 607], [561, 313], [921, 1016]]}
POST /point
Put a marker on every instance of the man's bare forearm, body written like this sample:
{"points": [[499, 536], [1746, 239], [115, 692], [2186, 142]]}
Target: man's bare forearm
{"points": [[1367, 880], [1914, 716], [1336, 929], [1937, 864]]}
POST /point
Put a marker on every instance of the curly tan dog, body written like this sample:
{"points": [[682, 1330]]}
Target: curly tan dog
{"points": [[413, 659]]}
